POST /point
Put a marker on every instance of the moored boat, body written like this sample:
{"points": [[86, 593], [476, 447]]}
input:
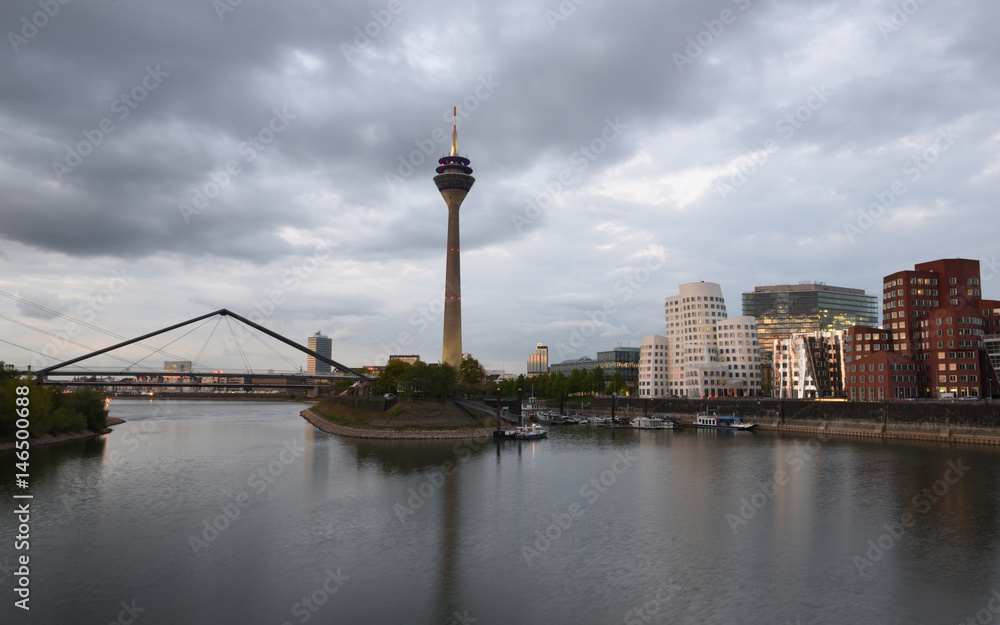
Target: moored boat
{"points": [[715, 422], [531, 430], [652, 423]]}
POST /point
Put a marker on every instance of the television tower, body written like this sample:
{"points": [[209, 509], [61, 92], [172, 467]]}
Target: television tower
{"points": [[453, 180]]}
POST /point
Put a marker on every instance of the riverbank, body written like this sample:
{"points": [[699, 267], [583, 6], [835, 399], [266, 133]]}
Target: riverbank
{"points": [[838, 429], [975, 423], [52, 439], [215, 397], [400, 421]]}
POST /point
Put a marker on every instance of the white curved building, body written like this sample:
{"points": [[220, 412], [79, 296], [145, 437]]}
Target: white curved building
{"points": [[707, 353], [654, 366]]}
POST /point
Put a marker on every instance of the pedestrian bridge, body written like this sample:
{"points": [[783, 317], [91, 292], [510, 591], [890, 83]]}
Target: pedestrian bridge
{"points": [[242, 380]]}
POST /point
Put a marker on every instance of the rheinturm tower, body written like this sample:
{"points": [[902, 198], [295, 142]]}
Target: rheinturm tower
{"points": [[453, 180]]}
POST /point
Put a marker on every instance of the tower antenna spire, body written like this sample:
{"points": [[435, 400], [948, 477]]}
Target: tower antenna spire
{"points": [[453, 180]]}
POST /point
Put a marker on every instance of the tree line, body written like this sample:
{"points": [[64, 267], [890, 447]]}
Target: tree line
{"points": [[555, 385], [422, 381], [417, 380], [50, 411]]}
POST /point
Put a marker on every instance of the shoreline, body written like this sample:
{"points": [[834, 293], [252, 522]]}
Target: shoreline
{"points": [[53, 439], [946, 435], [212, 397], [321, 423], [971, 423], [890, 431]]}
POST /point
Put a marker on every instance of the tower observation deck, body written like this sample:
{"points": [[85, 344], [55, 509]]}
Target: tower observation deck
{"points": [[453, 180]]}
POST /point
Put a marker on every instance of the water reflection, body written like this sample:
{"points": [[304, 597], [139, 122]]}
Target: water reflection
{"points": [[428, 529], [405, 457]]}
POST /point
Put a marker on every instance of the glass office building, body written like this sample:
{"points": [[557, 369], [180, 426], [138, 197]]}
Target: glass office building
{"points": [[784, 310], [623, 360]]}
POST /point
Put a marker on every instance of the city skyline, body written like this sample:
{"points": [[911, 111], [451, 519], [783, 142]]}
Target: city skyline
{"points": [[159, 164]]}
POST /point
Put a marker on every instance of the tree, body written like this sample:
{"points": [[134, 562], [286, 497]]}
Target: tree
{"points": [[388, 380], [441, 384], [617, 383], [597, 380], [577, 382], [557, 385], [472, 373], [7, 373], [413, 379], [423, 380]]}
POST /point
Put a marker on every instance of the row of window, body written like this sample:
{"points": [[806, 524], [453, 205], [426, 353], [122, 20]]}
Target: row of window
{"points": [[958, 378], [913, 281]]}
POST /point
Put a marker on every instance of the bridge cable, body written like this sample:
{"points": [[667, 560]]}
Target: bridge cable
{"points": [[239, 347], [54, 335], [28, 349], [205, 344], [274, 351], [79, 322], [168, 345]]}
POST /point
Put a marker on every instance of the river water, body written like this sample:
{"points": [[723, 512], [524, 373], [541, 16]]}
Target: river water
{"points": [[241, 512]]}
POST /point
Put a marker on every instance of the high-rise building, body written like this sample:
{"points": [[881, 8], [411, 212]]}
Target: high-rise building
{"points": [[177, 366], [322, 345], [709, 354], [453, 180], [932, 339], [538, 363], [653, 366], [787, 309], [809, 365]]}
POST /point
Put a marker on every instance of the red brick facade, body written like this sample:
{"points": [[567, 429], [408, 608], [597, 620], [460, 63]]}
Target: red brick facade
{"points": [[931, 340]]}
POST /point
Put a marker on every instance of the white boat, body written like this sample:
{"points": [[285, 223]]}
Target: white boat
{"points": [[715, 422], [548, 416], [652, 423], [532, 430]]}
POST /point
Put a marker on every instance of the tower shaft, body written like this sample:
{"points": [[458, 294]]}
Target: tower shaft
{"points": [[452, 345], [453, 181]]}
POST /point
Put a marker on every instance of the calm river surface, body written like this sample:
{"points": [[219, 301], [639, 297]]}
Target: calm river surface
{"points": [[240, 512]]}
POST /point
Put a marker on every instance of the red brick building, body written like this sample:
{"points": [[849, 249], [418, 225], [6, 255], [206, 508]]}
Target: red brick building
{"points": [[931, 341]]}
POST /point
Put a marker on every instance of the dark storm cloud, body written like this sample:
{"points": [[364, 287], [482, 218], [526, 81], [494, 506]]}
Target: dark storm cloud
{"points": [[743, 138]]}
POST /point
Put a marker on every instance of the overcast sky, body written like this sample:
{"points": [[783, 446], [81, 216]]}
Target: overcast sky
{"points": [[159, 161]]}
